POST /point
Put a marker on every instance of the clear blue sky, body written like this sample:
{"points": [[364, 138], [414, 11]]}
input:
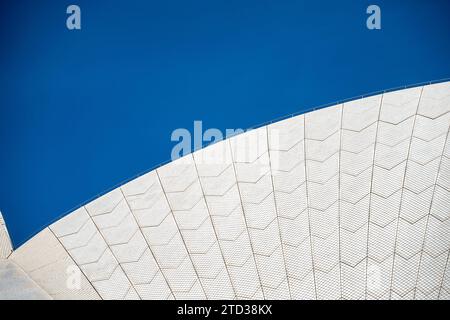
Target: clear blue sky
{"points": [[81, 111]]}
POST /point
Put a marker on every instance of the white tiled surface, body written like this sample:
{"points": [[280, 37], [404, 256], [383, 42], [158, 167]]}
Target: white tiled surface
{"points": [[15, 284], [5, 242], [348, 202], [46, 261]]}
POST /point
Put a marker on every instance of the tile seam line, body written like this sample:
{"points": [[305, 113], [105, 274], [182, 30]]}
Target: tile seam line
{"points": [[72, 258], [181, 235], [371, 191], [148, 246], [402, 192], [213, 225], [276, 212], [30, 278], [114, 255], [245, 219], [339, 200], [308, 209], [443, 278], [429, 214]]}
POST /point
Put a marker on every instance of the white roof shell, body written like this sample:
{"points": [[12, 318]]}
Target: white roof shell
{"points": [[347, 202]]}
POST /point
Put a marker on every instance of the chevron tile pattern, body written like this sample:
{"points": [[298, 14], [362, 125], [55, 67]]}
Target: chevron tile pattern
{"points": [[347, 202]]}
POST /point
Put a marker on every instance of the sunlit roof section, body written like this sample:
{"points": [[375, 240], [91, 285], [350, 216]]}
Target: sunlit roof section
{"points": [[350, 201]]}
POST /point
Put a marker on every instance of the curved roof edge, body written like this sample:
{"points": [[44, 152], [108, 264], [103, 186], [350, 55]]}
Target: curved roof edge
{"points": [[155, 167]]}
